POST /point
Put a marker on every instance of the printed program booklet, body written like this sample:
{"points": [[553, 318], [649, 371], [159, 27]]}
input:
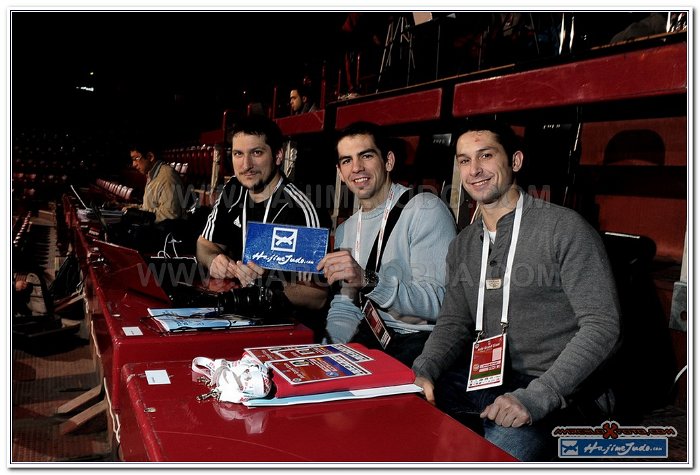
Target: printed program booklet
{"points": [[317, 373], [266, 354]]}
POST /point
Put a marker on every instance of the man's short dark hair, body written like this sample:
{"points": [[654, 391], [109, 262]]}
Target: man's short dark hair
{"points": [[303, 91], [262, 127], [367, 128], [504, 133], [142, 147]]}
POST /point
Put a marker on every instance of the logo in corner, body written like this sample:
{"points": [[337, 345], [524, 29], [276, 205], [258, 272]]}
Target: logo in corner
{"points": [[612, 440]]}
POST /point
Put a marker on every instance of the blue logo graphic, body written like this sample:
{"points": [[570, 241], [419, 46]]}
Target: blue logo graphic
{"points": [[287, 248], [284, 239], [610, 440], [628, 448]]}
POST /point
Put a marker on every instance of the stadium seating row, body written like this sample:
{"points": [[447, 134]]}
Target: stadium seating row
{"points": [[195, 164], [116, 189]]}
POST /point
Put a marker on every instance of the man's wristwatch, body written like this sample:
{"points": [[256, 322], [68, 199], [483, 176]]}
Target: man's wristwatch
{"points": [[370, 281]]}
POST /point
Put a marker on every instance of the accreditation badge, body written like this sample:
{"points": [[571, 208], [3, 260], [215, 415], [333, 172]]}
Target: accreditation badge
{"points": [[376, 324], [487, 363]]}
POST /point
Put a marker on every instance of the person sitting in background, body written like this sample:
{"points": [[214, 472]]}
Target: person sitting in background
{"points": [[534, 274], [260, 192], [404, 276], [161, 216], [164, 194], [27, 295], [300, 100]]}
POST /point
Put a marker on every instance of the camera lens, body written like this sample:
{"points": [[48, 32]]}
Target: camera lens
{"points": [[254, 301]]}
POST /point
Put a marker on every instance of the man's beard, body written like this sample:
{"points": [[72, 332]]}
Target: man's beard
{"points": [[260, 185]]}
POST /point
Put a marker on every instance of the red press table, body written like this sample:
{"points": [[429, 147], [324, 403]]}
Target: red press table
{"points": [[117, 345], [118, 298], [165, 423]]}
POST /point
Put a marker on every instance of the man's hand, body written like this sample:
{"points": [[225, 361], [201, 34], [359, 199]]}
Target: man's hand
{"points": [[507, 411], [248, 273], [222, 267], [428, 389], [341, 266]]}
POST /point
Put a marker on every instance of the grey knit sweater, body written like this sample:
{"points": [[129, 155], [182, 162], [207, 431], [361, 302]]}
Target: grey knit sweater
{"points": [[563, 314], [412, 275]]}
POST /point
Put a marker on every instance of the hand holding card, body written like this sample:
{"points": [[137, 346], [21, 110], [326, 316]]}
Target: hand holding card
{"points": [[285, 247]]}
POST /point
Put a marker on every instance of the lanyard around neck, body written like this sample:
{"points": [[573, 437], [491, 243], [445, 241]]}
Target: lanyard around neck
{"points": [[245, 213], [358, 233], [506, 276]]}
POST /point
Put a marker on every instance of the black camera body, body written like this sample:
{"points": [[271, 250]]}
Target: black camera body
{"points": [[255, 301]]}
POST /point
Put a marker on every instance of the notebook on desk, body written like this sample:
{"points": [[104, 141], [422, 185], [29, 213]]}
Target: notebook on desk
{"points": [[181, 278], [127, 267], [101, 214]]}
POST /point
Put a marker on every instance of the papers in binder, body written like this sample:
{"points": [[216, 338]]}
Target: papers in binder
{"points": [[183, 312], [193, 319], [330, 372]]}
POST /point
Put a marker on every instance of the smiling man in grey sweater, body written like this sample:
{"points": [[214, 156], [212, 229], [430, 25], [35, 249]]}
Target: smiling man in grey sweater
{"points": [[562, 316], [405, 280]]}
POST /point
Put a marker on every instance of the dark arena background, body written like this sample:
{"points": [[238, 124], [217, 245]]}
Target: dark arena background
{"points": [[601, 99]]}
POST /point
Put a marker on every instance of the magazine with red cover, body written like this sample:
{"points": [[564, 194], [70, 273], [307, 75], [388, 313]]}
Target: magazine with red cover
{"points": [[331, 373]]}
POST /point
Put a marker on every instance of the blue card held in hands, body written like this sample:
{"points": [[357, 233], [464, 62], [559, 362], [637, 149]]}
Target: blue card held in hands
{"points": [[285, 247]]}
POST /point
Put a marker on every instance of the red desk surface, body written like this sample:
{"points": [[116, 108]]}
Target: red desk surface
{"points": [[165, 423], [123, 304], [113, 304], [124, 309]]}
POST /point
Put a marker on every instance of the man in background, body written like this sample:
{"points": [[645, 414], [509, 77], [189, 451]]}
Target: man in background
{"points": [[164, 194], [300, 100]]}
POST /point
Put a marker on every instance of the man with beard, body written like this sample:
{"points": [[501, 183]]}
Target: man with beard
{"points": [[259, 192]]}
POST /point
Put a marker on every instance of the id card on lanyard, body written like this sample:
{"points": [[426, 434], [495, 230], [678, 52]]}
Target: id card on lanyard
{"points": [[488, 355], [376, 324], [486, 368]]}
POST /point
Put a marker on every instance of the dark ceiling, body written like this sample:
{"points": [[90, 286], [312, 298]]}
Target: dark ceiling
{"points": [[152, 67], [173, 73]]}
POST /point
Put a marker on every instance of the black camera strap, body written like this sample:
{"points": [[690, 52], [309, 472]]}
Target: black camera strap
{"points": [[381, 336], [393, 217]]}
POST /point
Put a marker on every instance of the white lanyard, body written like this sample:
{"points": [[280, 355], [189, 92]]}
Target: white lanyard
{"points": [[385, 218], [506, 276], [233, 381], [245, 210]]}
